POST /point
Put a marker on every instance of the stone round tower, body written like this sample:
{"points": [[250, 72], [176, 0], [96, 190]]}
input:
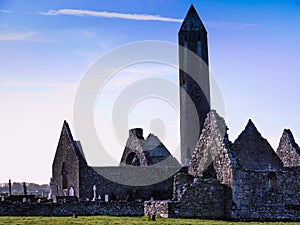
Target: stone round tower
{"points": [[194, 82]]}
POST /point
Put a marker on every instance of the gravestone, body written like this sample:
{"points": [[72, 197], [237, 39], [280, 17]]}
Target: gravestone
{"points": [[95, 194], [106, 198]]}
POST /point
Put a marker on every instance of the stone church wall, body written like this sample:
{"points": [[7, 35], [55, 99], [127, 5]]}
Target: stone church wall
{"points": [[116, 191], [266, 195], [202, 199]]}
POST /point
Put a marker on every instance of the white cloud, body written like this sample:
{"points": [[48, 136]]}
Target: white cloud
{"points": [[5, 11], [79, 12], [16, 36]]}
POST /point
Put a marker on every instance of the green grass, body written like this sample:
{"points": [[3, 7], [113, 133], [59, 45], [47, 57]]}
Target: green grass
{"points": [[89, 220]]}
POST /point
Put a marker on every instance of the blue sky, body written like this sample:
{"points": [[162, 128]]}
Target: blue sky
{"points": [[47, 47]]}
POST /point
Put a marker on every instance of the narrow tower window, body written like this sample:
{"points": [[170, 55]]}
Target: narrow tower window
{"points": [[183, 81], [64, 174], [199, 38], [185, 38]]}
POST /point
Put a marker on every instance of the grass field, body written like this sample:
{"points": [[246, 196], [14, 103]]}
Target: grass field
{"points": [[89, 220]]}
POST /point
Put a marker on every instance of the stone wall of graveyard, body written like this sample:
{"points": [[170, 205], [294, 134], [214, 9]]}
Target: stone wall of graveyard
{"points": [[69, 209], [266, 195], [165, 209]]}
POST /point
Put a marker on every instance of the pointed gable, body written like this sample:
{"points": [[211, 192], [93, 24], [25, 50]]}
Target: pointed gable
{"points": [[288, 150], [67, 137], [254, 152], [141, 152], [68, 161], [156, 152], [133, 153], [192, 21], [66, 141], [212, 153]]}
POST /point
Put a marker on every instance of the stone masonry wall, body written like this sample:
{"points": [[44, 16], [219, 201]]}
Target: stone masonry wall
{"points": [[68, 209], [165, 209], [201, 199], [266, 195]]}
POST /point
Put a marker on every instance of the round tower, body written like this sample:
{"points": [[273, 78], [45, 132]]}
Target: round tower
{"points": [[194, 92]]}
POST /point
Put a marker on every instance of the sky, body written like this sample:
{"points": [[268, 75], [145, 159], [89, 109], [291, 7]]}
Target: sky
{"points": [[47, 47]]}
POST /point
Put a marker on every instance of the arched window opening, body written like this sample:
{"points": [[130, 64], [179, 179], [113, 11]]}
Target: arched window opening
{"points": [[273, 184], [64, 173], [132, 159]]}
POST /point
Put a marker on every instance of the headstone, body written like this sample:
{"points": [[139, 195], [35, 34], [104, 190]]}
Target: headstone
{"points": [[9, 187], [106, 198], [153, 218], [24, 189], [94, 190], [51, 192], [71, 191], [99, 197]]}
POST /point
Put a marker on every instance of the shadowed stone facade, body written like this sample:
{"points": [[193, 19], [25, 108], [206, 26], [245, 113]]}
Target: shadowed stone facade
{"points": [[254, 152], [68, 160]]}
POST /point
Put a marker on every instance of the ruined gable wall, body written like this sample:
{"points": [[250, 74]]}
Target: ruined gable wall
{"points": [[65, 153], [213, 147], [134, 145], [254, 152], [255, 196], [288, 150]]}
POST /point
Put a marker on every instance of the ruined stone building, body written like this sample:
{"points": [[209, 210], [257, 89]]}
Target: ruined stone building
{"points": [[244, 179], [72, 176]]}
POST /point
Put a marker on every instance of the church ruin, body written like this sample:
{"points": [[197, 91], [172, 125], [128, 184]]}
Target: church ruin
{"points": [[245, 180]]}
